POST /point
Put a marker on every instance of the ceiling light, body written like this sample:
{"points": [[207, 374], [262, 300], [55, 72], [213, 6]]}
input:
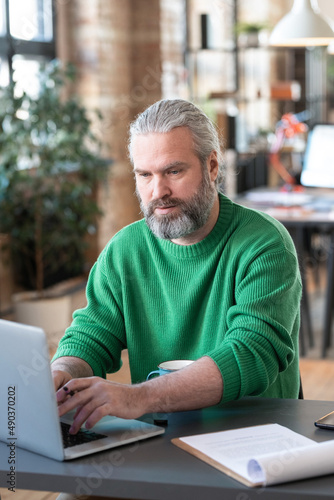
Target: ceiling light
{"points": [[303, 26]]}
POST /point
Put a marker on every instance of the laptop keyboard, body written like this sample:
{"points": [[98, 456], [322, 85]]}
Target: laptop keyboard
{"points": [[81, 437]]}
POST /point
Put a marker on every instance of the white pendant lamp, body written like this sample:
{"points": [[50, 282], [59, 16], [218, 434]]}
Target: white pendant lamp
{"points": [[303, 26]]}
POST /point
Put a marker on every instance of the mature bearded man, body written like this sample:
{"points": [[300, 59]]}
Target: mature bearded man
{"points": [[199, 278]]}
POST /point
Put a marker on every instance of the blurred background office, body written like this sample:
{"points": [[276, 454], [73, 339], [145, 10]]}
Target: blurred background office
{"points": [[131, 53]]}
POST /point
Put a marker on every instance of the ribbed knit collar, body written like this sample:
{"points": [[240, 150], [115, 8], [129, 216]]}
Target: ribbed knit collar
{"points": [[210, 241]]}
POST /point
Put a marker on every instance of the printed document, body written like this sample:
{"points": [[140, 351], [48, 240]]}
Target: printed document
{"points": [[262, 455]]}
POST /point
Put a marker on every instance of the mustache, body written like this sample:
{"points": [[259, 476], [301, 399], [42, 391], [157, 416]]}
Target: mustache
{"points": [[161, 203]]}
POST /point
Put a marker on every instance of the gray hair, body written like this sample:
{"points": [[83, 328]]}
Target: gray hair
{"points": [[167, 114]]}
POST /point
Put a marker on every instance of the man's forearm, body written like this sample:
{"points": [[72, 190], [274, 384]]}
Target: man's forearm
{"points": [[76, 367], [197, 386]]}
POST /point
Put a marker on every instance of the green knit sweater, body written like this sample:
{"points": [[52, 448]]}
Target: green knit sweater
{"points": [[234, 296]]}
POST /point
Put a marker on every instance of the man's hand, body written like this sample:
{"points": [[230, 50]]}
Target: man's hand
{"points": [[68, 367], [95, 398], [60, 378], [197, 386]]}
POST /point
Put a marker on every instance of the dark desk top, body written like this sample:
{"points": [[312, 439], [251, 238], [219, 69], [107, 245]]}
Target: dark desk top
{"points": [[156, 469]]}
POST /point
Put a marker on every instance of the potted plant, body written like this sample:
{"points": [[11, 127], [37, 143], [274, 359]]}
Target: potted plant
{"points": [[49, 169], [249, 33]]}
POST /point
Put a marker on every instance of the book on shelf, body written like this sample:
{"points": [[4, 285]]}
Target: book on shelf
{"points": [[262, 455]]}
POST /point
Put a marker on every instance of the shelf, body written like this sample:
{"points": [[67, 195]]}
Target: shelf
{"points": [[248, 87]]}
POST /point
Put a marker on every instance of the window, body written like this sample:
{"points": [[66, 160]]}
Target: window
{"points": [[26, 40]]}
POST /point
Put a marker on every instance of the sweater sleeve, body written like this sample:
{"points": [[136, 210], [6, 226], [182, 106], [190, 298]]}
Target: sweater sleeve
{"points": [[97, 332], [263, 326]]}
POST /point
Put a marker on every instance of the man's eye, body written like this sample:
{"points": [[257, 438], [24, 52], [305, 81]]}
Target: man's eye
{"points": [[144, 175], [174, 172]]}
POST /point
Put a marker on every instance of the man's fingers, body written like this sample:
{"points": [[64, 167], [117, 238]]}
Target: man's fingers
{"points": [[71, 388], [96, 415], [77, 411], [69, 399], [81, 415], [89, 413], [79, 384], [60, 378]]}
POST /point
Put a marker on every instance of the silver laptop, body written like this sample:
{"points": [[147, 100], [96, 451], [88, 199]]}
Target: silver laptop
{"points": [[31, 420]]}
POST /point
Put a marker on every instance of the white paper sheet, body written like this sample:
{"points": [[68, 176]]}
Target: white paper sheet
{"points": [[261, 454], [293, 464]]}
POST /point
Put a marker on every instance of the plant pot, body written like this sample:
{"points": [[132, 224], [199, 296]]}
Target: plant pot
{"points": [[253, 39], [53, 310], [248, 40]]}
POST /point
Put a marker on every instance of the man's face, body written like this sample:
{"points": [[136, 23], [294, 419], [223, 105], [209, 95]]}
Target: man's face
{"points": [[176, 194]]}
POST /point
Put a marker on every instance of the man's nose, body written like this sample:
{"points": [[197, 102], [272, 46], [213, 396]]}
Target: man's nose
{"points": [[160, 188]]}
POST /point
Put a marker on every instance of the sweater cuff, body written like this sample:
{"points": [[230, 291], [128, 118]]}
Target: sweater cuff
{"points": [[229, 369]]}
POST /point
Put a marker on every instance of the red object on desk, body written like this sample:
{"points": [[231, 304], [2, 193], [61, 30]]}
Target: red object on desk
{"points": [[296, 189], [287, 127]]}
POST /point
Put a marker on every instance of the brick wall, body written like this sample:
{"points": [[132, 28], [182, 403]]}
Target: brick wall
{"points": [[116, 47]]}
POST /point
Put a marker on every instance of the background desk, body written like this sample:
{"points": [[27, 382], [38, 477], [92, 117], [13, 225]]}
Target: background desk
{"points": [[311, 209], [157, 470]]}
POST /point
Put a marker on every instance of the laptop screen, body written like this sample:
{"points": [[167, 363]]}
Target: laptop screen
{"points": [[318, 168]]}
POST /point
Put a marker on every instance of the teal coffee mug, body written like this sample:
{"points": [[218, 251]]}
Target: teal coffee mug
{"points": [[163, 369], [169, 367]]}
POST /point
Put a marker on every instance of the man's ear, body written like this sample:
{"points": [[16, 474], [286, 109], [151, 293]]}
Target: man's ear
{"points": [[212, 164]]}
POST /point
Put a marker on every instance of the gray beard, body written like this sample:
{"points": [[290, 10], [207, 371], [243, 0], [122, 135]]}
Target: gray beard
{"points": [[193, 213]]}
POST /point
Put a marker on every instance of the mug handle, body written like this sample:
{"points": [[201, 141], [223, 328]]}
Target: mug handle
{"points": [[155, 372]]}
